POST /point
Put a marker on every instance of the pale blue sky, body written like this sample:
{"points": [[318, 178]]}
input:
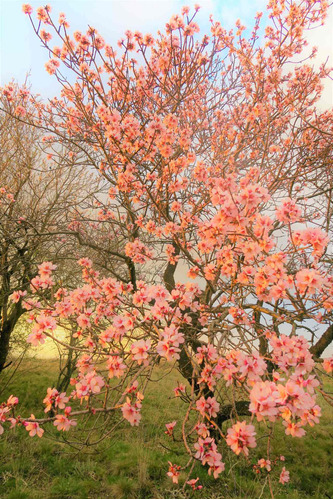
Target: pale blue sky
{"points": [[21, 51]]}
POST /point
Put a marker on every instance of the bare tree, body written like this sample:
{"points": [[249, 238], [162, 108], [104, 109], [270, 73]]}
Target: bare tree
{"points": [[37, 198]]}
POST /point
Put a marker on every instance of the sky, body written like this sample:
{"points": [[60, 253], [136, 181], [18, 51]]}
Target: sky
{"points": [[21, 52]]}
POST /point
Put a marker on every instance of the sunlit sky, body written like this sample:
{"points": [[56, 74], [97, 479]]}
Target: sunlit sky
{"points": [[21, 52]]}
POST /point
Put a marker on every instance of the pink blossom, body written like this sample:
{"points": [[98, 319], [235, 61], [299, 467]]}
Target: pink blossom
{"points": [[328, 365], [3, 415], [36, 338], [284, 476], [311, 416], [294, 429], [170, 428], [263, 463], [33, 427], [116, 366], [251, 366], [138, 252], [12, 401], [179, 389], [309, 281], [208, 454], [63, 423], [288, 211], [56, 399], [202, 430], [45, 269], [240, 437], [27, 9], [51, 66], [95, 382], [139, 351], [131, 412], [206, 352], [83, 321], [264, 399], [315, 237], [209, 406], [85, 262], [173, 472], [122, 324], [193, 484], [168, 347]]}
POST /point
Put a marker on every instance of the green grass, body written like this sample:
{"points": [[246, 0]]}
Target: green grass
{"points": [[134, 461]]}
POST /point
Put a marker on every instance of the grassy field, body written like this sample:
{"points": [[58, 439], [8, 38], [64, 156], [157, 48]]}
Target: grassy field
{"points": [[133, 463]]}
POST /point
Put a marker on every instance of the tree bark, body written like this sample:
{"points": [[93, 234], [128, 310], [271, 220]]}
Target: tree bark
{"points": [[169, 273], [322, 343], [229, 411], [4, 345], [6, 330]]}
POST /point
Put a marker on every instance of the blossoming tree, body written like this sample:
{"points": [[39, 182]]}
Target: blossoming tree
{"points": [[218, 166]]}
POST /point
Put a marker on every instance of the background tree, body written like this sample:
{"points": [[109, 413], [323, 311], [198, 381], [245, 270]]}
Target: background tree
{"points": [[37, 196]]}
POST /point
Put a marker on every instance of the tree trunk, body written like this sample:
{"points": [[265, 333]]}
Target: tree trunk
{"points": [[6, 330], [5, 333], [324, 341]]}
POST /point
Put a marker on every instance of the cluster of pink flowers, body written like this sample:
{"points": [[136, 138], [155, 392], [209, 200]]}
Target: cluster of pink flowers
{"points": [[208, 406], [288, 211], [173, 472], [140, 351], [131, 412], [5, 409], [263, 399], [290, 402], [240, 437], [206, 452], [17, 295], [33, 427], [3, 417], [284, 476], [27, 9], [44, 278], [138, 251], [42, 324], [309, 281], [293, 401], [115, 366], [194, 485], [63, 423], [265, 464], [122, 324], [5, 195], [314, 237], [55, 399], [168, 347], [88, 384], [236, 365], [179, 390], [209, 210], [291, 353]]}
